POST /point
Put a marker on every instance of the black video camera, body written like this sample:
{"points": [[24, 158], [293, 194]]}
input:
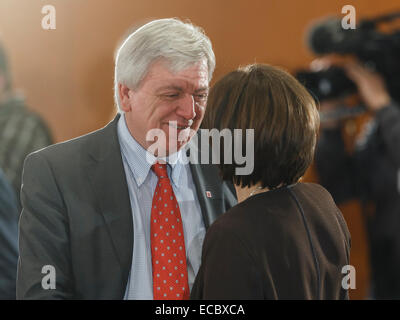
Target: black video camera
{"points": [[377, 50]]}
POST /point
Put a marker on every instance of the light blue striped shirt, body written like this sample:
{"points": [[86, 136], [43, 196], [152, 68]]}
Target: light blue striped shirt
{"points": [[141, 185]]}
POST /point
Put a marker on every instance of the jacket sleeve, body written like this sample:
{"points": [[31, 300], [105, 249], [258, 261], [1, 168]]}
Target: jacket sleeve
{"points": [[335, 168], [388, 120], [44, 265], [8, 240]]}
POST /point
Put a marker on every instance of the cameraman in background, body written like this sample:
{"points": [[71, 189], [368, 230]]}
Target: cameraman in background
{"points": [[371, 173]]}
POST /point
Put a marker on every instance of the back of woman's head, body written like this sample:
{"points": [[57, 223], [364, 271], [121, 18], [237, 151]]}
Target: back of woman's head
{"points": [[281, 112]]}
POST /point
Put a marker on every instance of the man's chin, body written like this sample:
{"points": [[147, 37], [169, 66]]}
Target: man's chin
{"points": [[169, 150]]}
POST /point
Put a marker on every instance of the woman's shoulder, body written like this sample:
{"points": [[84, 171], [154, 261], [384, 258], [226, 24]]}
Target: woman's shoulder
{"points": [[267, 207], [311, 186], [313, 192]]}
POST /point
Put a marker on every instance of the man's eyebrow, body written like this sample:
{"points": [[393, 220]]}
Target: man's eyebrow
{"points": [[170, 87], [202, 89], [177, 88]]}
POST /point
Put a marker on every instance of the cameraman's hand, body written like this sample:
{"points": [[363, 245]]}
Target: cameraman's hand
{"points": [[370, 85]]}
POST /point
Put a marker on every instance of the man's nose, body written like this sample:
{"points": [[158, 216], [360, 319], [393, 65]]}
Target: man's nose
{"points": [[186, 107]]}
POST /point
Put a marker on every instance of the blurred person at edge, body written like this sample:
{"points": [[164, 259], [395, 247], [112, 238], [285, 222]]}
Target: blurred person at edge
{"points": [[8, 239], [21, 130], [91, 208], [284, 239], [371, 173]]}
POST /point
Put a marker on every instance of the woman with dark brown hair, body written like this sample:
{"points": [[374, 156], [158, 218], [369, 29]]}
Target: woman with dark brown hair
{"points": [[284, 239]]}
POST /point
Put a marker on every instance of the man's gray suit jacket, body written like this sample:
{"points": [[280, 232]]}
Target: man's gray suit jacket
{"points": [[77, 218]]}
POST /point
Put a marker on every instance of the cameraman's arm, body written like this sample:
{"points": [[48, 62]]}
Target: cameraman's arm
{"points": [[373, 91]]}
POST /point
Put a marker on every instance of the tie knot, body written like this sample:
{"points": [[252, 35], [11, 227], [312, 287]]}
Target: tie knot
{"points": [[160, 169]]}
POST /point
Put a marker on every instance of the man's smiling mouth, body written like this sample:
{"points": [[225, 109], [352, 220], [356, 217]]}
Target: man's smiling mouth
{"points": [[177, 126]]}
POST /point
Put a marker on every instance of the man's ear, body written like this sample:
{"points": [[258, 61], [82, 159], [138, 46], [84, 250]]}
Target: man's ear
{"points": [[123, 92]]}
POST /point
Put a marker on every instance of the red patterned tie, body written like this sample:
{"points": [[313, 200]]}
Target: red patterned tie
{"points": [[170, 279]]}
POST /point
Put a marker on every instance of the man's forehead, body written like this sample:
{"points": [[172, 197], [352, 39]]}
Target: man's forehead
{"points": [[195, 73], [192, 81]]}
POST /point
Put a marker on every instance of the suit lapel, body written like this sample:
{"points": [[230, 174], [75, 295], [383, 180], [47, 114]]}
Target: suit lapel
{"points": [[209, 204], [109, 184]]}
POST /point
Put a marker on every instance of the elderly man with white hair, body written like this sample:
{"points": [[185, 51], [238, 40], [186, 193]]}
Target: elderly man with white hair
{"points": [[105, 218]]}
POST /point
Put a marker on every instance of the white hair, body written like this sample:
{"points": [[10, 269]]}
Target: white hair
{"points": [[180, 44]]}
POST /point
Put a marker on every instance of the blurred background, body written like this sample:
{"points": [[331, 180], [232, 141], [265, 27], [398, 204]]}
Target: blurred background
{"points": [[66, 75]]}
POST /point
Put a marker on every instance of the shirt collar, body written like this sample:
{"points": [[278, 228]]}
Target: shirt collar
{"points": [[140, 160]]}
